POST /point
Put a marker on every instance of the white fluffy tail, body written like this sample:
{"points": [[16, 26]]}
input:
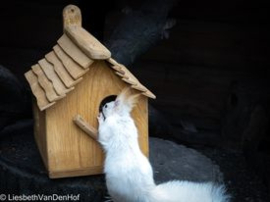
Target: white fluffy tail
{"points": [[184, 191]]}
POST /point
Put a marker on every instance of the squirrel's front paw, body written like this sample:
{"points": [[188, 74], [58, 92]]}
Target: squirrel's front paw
{"points": [[100, 118]]}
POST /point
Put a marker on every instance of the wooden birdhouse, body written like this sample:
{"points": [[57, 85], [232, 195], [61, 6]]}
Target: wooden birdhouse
{"points": [[76, 77]]}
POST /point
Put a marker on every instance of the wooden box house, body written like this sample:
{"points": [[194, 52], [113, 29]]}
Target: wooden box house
{"points": [[75, 78]]}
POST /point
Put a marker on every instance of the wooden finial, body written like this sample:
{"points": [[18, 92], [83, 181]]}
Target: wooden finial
{"points": [[72, 16]]}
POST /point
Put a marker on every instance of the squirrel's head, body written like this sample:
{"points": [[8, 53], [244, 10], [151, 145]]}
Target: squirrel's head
{"points": [[122, 105], [108, 109]]}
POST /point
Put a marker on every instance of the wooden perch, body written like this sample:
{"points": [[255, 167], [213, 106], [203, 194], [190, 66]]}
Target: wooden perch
{"points": [[90, 130]]}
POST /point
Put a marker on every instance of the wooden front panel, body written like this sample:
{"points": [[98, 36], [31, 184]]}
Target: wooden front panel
{"points": [[71, 152], [40, 132]]}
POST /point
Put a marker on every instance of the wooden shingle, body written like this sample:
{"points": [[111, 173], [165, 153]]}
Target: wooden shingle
{"points": [[46, 84], [129, 78], [38, 92], [74, 69], [61, 70], [53, 77]]}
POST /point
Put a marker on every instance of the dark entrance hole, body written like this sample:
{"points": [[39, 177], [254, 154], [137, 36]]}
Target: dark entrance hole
{"points": [[106, 100]]}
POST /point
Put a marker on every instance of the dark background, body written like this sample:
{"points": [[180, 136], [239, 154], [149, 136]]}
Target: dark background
{"points": [[211, 75]]}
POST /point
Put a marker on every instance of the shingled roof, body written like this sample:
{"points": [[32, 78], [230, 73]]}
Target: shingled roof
{"points": [[54, 76]]}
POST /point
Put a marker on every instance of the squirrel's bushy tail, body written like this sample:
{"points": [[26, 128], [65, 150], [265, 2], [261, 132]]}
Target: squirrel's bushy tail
{"points": [[184, 191]]}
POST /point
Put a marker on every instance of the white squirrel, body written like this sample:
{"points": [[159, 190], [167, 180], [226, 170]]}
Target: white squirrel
{"points": [[129, 175]]}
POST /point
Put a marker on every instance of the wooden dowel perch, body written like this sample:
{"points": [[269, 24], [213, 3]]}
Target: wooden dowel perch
{"points": [[81, 123]]}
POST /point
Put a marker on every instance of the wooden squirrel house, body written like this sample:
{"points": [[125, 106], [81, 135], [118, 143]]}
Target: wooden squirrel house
{"points": [[75, 78]]}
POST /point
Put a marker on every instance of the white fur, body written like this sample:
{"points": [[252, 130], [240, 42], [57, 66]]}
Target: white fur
{"points": [[129, 175]]}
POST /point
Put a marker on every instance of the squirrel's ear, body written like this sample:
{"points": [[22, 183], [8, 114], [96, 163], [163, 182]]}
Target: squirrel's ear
{"points": [[116, 103], [126, 99], [123, 95], [133, 100]]}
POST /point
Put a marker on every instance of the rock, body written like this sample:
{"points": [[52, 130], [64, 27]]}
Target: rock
{"points": [[172, 161], [159, 126], [22, 170], [14, 101]]}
